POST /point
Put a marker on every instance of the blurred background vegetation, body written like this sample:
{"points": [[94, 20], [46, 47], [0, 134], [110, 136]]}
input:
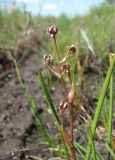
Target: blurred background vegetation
{"points": [[98, 26]]}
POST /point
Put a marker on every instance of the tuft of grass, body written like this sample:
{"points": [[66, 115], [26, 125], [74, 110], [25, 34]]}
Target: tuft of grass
{"points": [[99, 106]]}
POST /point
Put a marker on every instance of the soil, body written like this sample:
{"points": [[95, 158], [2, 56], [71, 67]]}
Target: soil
{"points": [[20, 136]]}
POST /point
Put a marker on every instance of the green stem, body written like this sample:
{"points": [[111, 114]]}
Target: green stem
{"points": [[110, 112], [99, 106], [93, 146], [18, 74]]}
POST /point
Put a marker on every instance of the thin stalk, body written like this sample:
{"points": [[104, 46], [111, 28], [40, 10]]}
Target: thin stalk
{"points": [[72, 148], [59, 76], [99, 106], [64, 86], [110, 111], [71, 122], [93, 146], [73, 156], [70, 79], [18, 74], [71, 110], [59, 58], [57, 50]]}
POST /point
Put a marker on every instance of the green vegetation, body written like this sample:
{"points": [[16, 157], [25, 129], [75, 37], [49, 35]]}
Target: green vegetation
{"points": [[70, 145], [93, 33], [98, 25], [11, 25]]}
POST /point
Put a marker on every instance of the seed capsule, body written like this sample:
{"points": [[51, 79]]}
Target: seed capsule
{"points": [[65, 68], [48, 59], [72, 49], [52, 31], [63, 106]]}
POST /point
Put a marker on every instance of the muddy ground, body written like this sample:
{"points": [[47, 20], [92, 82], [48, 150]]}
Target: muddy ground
{"points": [[20, 137]]}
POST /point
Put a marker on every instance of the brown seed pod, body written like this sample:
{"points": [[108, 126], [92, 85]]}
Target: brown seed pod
{"points": [[47, 59], [52, 31], [72, 49], [62, 106], [65, 68]]}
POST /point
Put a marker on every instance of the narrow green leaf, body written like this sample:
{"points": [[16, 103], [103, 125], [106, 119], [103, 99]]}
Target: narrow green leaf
{"points": [[18, 74], [93, 145], [43, 130], [80, 149], [110, 111], [85, 37], [48, 98], [110, 150], [53, 111], [99, 106]]}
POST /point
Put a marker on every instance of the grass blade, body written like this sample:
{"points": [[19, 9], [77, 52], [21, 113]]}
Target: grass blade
{"points": [[110, 111], [43, 130], [110, 150], [49, 100], [85, 37], [53, 112], [93, 146], [18, 74], [80, 150], [99, 106]]}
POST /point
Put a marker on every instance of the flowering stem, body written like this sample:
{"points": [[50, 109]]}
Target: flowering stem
{"points": [[71, 121], [64, 86], [65, 58], [69, 77], [73, 156], [57, 50], [71, 132], [58, 56], [58, 75]]}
